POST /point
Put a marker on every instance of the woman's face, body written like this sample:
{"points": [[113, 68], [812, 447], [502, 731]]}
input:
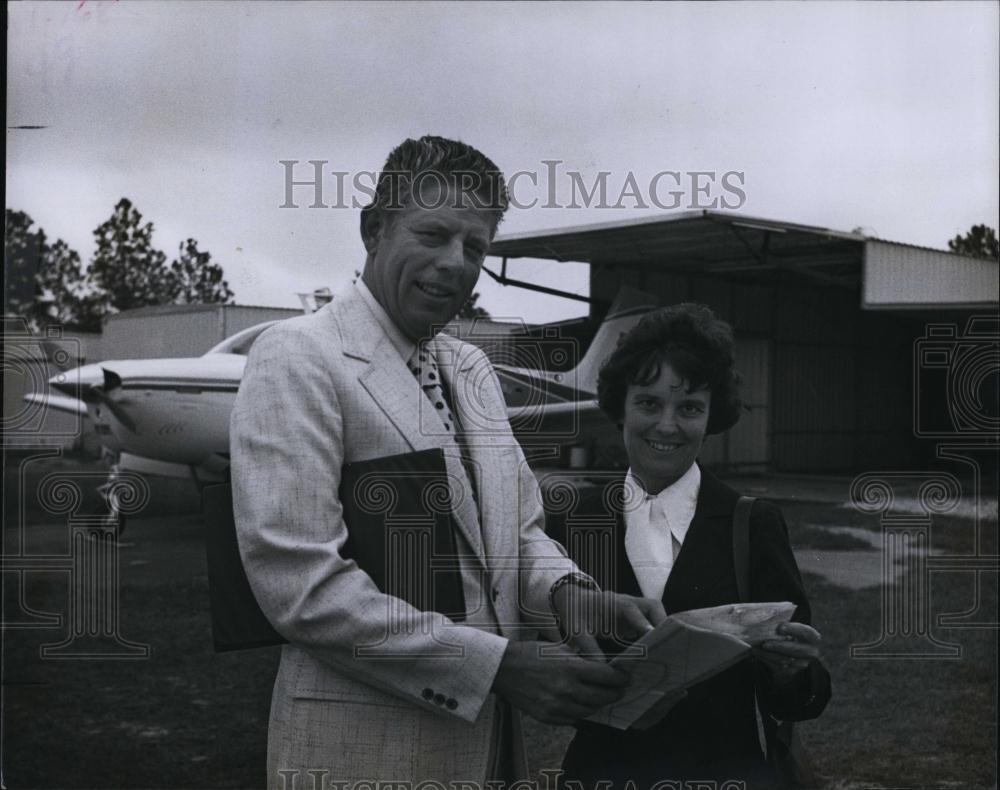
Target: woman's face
{"points": [[664, 427]]}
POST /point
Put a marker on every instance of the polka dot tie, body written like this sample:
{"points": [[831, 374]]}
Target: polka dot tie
{"points": [[423, 366]]}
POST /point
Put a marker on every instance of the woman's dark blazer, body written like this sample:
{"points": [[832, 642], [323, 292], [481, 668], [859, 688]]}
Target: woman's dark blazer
{"points": [[711, 733]]}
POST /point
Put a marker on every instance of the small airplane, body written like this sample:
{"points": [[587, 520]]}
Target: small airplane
{"points": [[170, 416]]}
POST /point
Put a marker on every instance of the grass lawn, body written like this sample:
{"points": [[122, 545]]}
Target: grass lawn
{"points": [[891, 723], [188, 718]]}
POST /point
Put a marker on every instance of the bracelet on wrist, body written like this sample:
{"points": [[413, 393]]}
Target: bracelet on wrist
{"points": [[576, 579]]}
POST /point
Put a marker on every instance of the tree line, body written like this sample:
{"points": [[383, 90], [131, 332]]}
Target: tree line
{"points": [[979, 242], [46, 283]]}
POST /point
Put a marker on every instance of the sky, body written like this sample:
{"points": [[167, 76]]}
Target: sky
{"points": [[880, 116]]}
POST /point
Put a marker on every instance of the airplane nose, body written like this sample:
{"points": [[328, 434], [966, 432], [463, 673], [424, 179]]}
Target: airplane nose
{"points": [[93, 384], [79, 382]]}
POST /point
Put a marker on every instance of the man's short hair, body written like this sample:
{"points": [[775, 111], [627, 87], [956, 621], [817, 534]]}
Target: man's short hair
{"points": [[699, 347], [468, 173]]}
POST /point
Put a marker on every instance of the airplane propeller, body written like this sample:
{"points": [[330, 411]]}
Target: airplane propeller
{"points": [[101, 395]]}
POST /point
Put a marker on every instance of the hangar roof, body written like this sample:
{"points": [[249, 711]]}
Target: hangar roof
{"points": [[754, 249]]}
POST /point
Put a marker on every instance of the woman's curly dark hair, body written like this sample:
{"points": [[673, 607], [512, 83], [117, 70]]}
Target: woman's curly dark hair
{"points": [[696, 343]]}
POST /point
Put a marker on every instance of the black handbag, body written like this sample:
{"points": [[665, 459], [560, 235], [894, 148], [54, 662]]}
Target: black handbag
{"points": [[785, 752]]}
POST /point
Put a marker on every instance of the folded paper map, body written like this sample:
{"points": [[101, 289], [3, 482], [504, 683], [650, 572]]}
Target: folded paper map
{"points": [[685, 649]]}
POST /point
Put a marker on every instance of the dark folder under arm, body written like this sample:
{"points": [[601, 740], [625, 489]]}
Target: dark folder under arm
{"points": [[401, 532], [237, 621]]}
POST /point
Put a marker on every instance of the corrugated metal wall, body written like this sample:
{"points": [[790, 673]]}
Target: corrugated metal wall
{"points": [[897, 275], [496, 338], [884, 397], [179, 330], [842, 383], [813, 389], [813, 407], [141, 334], [749, 443], [237, 317], [829, 385], [748, 308], [747, 446]]}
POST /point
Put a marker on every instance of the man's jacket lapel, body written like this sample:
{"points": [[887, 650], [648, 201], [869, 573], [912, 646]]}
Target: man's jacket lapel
{"points": [[396, 392], [458, 375]]}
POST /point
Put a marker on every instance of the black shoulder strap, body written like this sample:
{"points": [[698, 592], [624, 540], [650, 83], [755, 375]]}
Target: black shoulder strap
{"points": [[741, 545], [782, 746]]}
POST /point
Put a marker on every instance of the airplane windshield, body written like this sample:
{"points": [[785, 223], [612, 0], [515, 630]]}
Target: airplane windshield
{"points": [[240, 342]]}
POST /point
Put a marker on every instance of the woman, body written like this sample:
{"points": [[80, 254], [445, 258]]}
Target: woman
{"points": [[670, 383]]}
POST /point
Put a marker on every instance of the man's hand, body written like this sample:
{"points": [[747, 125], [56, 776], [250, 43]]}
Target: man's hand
{"points": [[587, 615], [556, 686]]}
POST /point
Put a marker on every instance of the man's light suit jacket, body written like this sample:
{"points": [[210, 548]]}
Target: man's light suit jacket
{"points": [[355, 697]]}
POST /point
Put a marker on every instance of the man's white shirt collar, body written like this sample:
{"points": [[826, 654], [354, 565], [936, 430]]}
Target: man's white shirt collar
{"points": [[399, 341]]}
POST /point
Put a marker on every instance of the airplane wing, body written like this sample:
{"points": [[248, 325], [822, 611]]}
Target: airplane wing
{"points": [[550, 409], [63, 403]]}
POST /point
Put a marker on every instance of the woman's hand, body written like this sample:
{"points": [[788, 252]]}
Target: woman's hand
{"points": [[791, 653]]}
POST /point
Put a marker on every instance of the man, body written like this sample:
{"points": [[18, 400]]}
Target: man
{"points": [[368, 687]]}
